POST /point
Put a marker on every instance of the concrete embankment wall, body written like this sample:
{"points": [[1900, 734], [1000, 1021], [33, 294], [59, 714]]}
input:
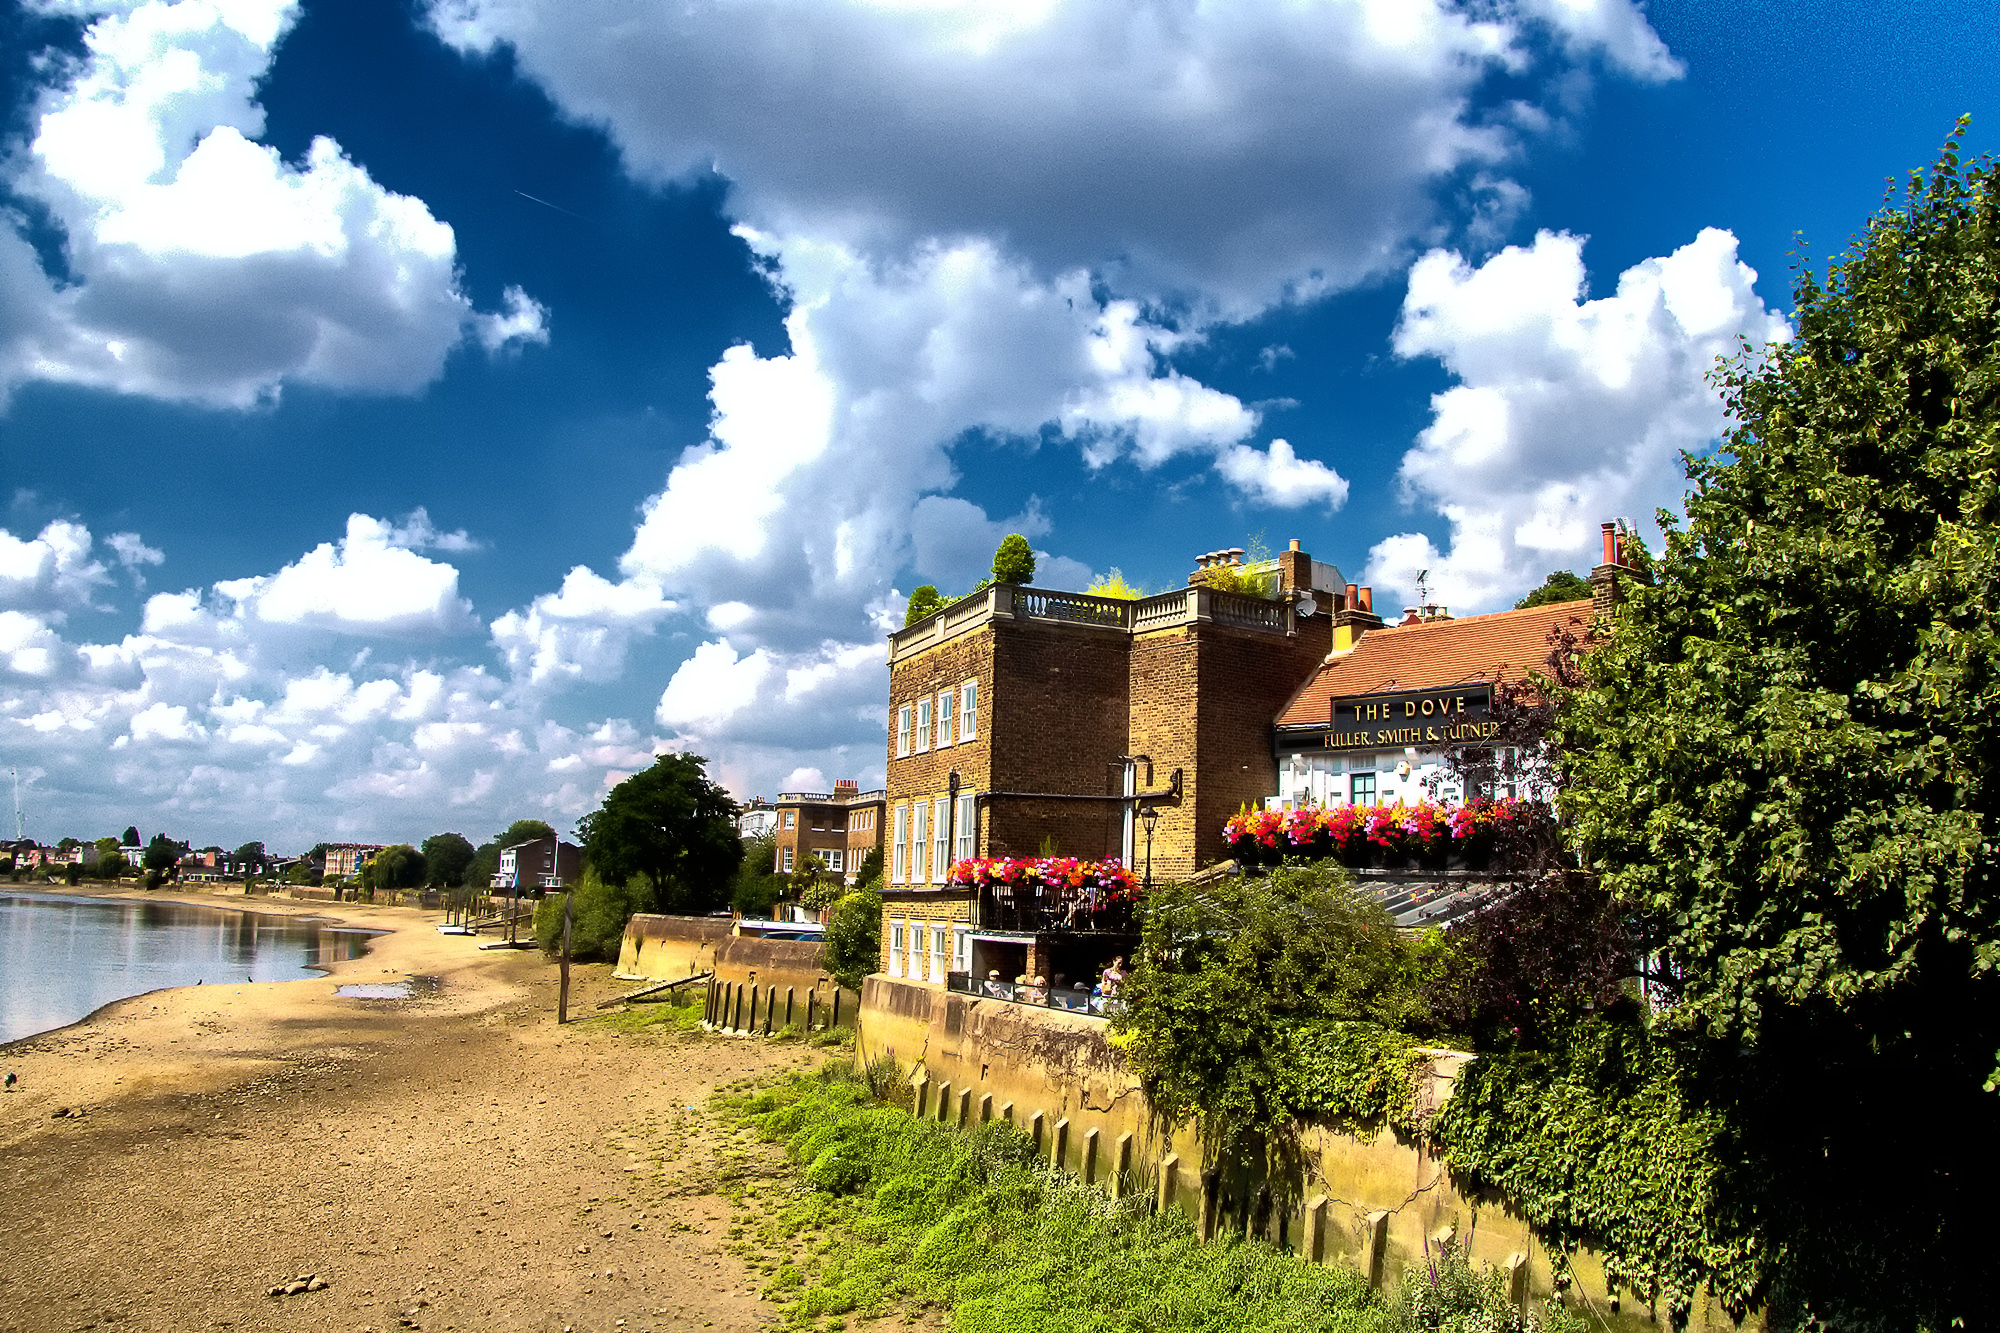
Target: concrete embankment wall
{"points": [[756, 982], [1372, 1202]]}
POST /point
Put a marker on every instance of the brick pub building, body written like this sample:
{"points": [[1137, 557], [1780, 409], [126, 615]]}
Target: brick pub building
{"points": [[1025, 722]]}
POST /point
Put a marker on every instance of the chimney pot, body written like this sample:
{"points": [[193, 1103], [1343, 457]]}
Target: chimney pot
{"points": [[1353, 599], [1295, 544], [1368, 600], [1610, 534]]}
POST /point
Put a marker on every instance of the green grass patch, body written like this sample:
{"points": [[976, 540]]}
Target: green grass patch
{"points": [[675, 1015], [888, 1212]]}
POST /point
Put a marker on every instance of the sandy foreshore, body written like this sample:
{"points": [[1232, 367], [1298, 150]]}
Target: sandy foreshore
{"points": [[453, 1161]]}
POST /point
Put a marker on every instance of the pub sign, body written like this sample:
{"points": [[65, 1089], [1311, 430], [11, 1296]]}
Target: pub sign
{"points": [[1453, 716]]}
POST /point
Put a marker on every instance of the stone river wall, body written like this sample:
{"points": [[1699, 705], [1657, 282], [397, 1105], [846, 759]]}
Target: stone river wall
{"points": [[1370, 1202]]}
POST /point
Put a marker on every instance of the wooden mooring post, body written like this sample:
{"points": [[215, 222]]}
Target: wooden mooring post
{"points": [[562, 999]]}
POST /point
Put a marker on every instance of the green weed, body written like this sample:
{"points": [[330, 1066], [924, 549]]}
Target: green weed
{"points": [[893, 1211]]}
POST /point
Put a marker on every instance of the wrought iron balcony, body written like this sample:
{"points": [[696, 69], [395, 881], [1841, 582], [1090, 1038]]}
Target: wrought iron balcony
{"points": [[1052, 908]]}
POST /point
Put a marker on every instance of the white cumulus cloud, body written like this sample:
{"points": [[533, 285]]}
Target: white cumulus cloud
{"points": [[364, 584], [581, 632], [1008, 221], [202, 266], [1567, 411], [52, 571], [1279, 477]]}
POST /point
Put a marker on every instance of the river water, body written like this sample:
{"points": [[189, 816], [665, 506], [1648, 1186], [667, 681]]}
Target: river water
{"points": [[62, 956]]}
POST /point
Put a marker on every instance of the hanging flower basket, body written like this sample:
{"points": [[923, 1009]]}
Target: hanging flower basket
{"points": [[1428, 834]]}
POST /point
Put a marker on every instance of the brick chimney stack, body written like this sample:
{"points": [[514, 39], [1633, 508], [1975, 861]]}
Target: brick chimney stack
{"points": [[846, 789], [1605, 594], [1355, 617]]}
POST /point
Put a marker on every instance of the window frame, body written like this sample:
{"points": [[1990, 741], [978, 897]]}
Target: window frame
{"points": [[920, 842], [968, 711], [903, 732], [898, 938], [940, 961], [922, 737], [1354, 784], [946, 714], [785, 860], [966, 847], [899, 857], [940, 839]]}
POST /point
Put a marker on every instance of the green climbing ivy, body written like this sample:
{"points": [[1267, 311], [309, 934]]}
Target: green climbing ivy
{"points": [[1597, 1144]]}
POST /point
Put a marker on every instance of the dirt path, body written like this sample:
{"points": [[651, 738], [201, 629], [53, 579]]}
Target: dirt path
{"points": [[449, 1162]]}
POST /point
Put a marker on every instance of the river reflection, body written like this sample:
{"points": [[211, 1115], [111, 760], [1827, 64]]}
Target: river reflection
{"points": [[61, 956]]}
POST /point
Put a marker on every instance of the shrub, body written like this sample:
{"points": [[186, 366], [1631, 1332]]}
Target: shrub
{"points": [[1014, 561], [854, 936], [601, 912], [1231, 976], [1114, 585], [923, 602]]}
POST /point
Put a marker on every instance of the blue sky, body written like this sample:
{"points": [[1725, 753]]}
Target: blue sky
{"points": [[418, 415]]}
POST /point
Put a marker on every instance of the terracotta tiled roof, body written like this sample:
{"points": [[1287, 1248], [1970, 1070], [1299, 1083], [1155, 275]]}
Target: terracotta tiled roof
{"points": [[1503, 646]]}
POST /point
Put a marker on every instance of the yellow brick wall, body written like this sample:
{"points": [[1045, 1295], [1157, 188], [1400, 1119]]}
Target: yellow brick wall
{"points": [[926, 909]]}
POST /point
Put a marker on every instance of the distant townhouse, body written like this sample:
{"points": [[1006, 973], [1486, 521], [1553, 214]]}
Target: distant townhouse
{"points": [[839, 828], [543, 865], [345, 859], [759, 819]]}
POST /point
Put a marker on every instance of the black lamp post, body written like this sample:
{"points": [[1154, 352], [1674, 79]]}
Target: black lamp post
{"points": [[1149, 815]]}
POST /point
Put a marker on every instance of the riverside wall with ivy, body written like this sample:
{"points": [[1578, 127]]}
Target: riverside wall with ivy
{"points": [[1372, 1187]]}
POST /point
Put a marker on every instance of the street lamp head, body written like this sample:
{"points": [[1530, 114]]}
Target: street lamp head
{"points": [[1149, 815]]}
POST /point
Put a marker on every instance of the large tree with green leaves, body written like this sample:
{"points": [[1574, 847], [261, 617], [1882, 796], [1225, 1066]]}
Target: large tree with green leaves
{"points": [[1785, 766], [672, 825], [447, 856]]}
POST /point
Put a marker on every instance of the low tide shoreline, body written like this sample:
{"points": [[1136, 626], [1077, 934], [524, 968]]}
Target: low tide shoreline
{"points": [[458, 1149]]}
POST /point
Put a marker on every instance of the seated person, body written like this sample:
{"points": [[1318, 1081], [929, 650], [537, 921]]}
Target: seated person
{"points": [[996, 987], [1114, 976]]}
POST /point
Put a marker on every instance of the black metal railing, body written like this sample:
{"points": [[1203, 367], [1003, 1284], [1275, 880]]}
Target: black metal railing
{"points": [[1064, 999], [1055, 907]]}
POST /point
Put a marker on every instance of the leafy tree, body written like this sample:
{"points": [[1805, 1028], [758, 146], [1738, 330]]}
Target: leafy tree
{"points": [[1014, 561], [1231, 975], [131, 836], [870, 869], [68, 844], [1787, 766], [252, 852], [525, 830], [111, 862], [162, 855], [853, 946], [672, 825], [398, 867], [447, 856], [923, 602], [757, 886], [1560, 586], [1530, 968]]}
